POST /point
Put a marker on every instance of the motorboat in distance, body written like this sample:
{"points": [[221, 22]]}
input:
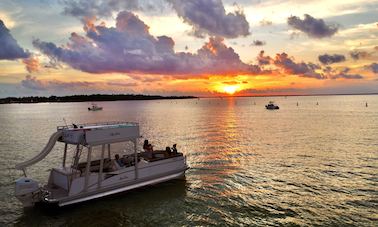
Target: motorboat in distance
{"points": [[93, 173], [271, 106], [94, 107]]}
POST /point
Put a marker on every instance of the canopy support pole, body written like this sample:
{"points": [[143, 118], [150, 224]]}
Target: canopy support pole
{"points": [[64, 156], [136, 158], [101, 166], [87, 169]]}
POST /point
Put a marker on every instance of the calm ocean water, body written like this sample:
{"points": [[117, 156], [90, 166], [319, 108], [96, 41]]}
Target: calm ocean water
{"points": [[301, 165]]}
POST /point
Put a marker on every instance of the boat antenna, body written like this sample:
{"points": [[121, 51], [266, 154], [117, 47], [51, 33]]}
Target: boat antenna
{"points": [[65, 122]]}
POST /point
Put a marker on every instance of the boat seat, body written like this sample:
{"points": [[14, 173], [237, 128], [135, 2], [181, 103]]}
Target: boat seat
{"points": [[95, 165]]}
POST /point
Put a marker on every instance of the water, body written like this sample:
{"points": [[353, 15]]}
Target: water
{"points": [[301, 165]]}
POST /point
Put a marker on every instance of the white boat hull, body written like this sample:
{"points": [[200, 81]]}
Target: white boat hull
{"points": [[118, 189], [122, 180]]}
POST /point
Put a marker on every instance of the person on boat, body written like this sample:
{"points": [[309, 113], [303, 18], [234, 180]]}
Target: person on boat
{"points": [[174, 149], [148, 149], [168, 151], [147, 146], [119, 161]]}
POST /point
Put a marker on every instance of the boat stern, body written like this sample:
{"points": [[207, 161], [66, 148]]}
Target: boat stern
{"points": [[27, 191]]}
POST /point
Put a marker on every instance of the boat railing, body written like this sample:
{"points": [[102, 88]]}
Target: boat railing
{"points": [[98, 124]]}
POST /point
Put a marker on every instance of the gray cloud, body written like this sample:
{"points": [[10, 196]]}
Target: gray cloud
{"points": [[263, 60], [122, 84], [32, 83], [9, 48], [315, 28], [36, 84], [373, 67], [105, 8], [209, 17], [346, 76], [301, 69], [365, 54], [129, 48], [356, 54], [258, 43], [327, 59], [331, 73], [97, 8]]}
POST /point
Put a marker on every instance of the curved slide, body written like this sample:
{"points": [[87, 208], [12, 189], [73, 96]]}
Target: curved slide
{"points": [[49, 146]]}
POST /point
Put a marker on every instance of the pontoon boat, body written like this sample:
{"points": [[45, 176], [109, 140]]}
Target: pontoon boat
{"points": [[94, 178]]}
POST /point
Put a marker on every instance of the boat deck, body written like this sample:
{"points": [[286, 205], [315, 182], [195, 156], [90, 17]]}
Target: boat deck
{"points": [[56, 192]]}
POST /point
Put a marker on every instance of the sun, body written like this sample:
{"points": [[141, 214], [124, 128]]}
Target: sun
{"points": [[231, 89]]}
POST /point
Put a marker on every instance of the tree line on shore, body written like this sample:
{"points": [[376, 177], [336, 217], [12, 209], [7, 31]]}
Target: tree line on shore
{"points": [[87, 98]]}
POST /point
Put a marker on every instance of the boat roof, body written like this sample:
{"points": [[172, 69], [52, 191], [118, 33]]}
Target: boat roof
{"points": [[99, 133], [101, 125]]}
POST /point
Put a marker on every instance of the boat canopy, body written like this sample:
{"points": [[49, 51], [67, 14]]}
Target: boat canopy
{"points": [[87, 135], [99, 133]]}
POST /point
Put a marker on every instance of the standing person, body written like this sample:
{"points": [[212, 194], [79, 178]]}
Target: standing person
{"points": [[174, 149]]}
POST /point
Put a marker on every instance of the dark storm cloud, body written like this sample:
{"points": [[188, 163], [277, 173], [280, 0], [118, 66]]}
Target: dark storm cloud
{"points": [[9, 48], [130, 48], [258, 43], [315, 28], [327, 59], [301, 69], [210, 17]]}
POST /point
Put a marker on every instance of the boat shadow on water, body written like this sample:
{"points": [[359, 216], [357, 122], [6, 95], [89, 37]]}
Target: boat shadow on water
{"points": [[126, 208]]}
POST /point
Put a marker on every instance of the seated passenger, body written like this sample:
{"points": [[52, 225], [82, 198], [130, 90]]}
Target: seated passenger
{"points": [[168, 150], [119, 161], [145, 145], [174, 149]]}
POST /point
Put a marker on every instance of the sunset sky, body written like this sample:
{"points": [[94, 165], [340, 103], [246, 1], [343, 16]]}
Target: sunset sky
{"points": [[188, 47]]}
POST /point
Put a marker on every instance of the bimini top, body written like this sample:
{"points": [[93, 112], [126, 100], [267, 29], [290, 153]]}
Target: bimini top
{"points": [[99, 133]]}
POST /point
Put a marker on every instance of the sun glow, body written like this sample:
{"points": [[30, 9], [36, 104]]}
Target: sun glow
{"points": [[231, 89]]}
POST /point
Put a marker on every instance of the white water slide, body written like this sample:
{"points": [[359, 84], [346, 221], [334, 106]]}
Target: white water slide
{"points": [[46, 150]]}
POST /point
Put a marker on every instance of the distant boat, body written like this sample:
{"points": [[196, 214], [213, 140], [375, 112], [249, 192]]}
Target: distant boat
{"points": [[94, 107], [271, 106]]}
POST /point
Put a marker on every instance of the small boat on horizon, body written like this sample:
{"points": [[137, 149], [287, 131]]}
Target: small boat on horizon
{"points": [[271, 106], [94, 107], [92, 172]]}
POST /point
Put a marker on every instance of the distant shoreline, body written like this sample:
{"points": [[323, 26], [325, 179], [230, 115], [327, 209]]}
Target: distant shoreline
{"points": [[130, 97], [289, 95], [87, 98]]}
